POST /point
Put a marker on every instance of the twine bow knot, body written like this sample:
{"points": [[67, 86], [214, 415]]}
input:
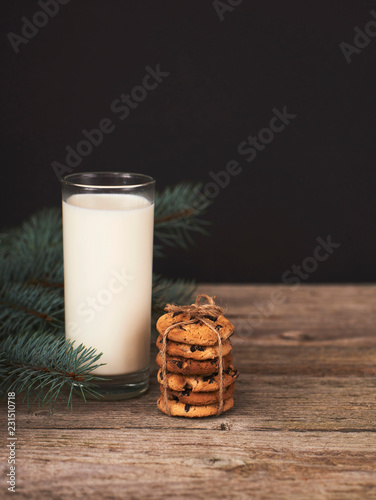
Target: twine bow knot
{"points": [[206, 313]]}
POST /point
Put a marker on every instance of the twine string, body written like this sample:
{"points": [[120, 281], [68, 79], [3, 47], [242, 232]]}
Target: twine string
{"points": [[197, 311]]}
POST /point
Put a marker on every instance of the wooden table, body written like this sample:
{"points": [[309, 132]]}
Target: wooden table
{"points": [[303, 425]]}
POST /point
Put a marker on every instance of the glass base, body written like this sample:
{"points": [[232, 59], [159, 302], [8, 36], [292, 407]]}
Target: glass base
{"points": [[119, 387]]}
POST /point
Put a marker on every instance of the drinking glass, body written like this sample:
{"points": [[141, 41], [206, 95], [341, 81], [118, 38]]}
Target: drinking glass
{"points": [[108, 220]]}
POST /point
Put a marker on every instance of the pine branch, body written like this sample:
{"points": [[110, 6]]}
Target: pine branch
{"points": [[44, 268], [40, 366], [26, 308], [33, 252], [41, 232], [178, 212]]}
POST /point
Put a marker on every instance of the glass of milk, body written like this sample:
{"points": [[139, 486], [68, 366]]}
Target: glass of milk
{"points": [[108, 220]]}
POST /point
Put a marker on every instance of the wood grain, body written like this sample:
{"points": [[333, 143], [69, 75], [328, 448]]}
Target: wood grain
{"points": [[303, 425]]}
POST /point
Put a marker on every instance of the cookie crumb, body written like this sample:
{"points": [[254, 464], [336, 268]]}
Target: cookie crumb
{"points": [[224, 427]]}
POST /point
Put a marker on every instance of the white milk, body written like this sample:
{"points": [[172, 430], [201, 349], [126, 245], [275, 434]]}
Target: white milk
{"points": [[108, 252]]}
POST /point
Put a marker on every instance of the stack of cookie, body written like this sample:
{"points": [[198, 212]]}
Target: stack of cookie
{"points": [[192, 363]]}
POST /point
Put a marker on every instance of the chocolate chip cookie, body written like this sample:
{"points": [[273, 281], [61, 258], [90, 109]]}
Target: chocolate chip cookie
{"points": [[191, 351], [199, 383], [196, 333], [177, 364], [199, 398], [186, 410]]}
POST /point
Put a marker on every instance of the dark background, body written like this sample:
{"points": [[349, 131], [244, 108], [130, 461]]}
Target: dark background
{"points": [[315, 178]]}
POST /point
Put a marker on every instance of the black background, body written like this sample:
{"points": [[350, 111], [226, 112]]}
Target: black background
{"points": [[315, 178]]}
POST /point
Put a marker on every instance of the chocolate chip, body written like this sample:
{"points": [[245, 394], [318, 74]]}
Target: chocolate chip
{"points": [[212, 318], [187, 408], [178, 363], [201, 348], [218, 327], [209, 378], [193, 348]]}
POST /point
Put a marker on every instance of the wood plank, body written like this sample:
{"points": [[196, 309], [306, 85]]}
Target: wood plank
{"points": [[303, 425], [319, 313], [279, 427], [197, 465]]}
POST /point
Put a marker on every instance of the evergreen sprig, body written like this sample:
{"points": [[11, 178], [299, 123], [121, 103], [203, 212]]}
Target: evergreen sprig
{"points": [[25, 308], [34, 356], [41, 231], [41, 366], [178, 212], [34, 250]]}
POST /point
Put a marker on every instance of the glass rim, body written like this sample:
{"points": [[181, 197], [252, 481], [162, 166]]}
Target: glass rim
{"points": [[143, 180]]}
